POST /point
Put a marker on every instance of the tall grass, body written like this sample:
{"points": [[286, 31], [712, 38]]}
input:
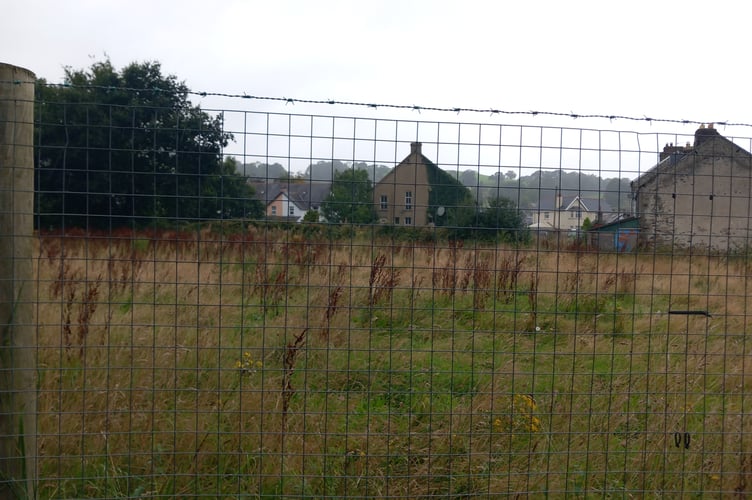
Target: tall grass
{"points": [[265, 363]]}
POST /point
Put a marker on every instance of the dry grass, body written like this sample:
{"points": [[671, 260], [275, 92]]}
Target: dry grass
{"points": [[268, 363]]}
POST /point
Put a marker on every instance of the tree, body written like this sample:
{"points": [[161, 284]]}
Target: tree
{"points": [[126, 147], [311, 216], [238, 200], [351, 199], [501, 217]]}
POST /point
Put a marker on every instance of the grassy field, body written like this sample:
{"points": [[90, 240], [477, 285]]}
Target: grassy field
{"points": [[269, 364]]}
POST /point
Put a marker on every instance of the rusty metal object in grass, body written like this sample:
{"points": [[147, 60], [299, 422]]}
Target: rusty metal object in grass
{"points": [[692, 313]]}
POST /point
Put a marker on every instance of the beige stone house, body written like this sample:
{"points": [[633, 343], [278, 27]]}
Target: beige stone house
{"points": [[291, 200], [418, 193], [569, 213], [697, 196]]}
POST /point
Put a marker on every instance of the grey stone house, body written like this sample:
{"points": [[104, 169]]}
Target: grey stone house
{"points": [[697, 195]]}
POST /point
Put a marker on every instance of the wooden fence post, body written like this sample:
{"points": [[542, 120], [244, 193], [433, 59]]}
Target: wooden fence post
{"points": [[18, 398]]}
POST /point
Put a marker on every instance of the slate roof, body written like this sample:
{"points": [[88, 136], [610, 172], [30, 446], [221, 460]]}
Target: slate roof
{"points": [[305, 195], [591, 204], [708, 142]]}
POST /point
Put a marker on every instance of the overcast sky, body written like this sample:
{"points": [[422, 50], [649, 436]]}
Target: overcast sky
{"points": [[661, 59]]}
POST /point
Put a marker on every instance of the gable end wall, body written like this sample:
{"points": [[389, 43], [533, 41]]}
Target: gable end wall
{"points": [[704, 202]]}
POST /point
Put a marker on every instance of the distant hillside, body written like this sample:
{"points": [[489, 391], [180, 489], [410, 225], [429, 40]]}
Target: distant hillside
{"points": [[525, 191], [323, 170], [258, 170]]}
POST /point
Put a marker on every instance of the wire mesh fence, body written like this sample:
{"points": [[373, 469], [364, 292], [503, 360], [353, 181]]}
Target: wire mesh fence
{"points": [[264, 304]]}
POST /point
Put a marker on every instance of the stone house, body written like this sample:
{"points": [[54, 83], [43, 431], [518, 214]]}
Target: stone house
{"points": [[283, 206], [418, 193], [568, 213], [291, 200], [697, 195]]}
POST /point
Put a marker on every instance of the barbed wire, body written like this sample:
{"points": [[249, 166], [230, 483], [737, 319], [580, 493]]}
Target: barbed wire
{"points": [[409, 107]]}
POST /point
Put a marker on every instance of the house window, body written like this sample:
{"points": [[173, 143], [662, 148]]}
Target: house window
{"points": [[384, 202], [408, 221], [274, 209], [408, 200], [291, 210], [546, 215], [396, 221]]}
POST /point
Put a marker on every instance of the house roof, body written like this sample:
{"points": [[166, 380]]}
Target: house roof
{"points": [[304, 194], [283, 196], [708, 142], [621, 221], [444, 189], [589, 203]]}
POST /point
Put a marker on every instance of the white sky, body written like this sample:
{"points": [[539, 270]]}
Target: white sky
{"points": [[663, 59]]}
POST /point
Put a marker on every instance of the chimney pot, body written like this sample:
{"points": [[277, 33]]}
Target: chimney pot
{"points": [[702, 133]]}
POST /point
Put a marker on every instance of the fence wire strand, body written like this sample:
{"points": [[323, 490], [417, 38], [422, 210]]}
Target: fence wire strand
{"points": [[490, 111]]}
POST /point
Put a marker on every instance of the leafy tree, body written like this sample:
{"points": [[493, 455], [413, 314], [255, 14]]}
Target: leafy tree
{"points": [[238, 200], [125, 147], [351, 198], [311, 216], [501, 217]]}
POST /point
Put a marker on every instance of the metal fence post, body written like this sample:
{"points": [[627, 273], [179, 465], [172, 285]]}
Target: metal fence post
{"points": [[18, 450]]}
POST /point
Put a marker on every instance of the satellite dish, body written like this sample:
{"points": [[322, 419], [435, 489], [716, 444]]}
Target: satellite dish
{"points": [[440, 211]]}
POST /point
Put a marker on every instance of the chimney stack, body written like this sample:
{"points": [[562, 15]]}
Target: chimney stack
{"points": [[415, 148], [702, 134]]}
